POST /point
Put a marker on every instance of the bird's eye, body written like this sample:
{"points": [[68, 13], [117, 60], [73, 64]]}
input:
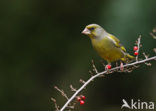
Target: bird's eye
{"points": [[92, 28]]}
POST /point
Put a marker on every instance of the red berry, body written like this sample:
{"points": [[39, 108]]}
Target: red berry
{"points": [[78, 98], [81, 102], [83, 97], [135, 48], [108, 66], [136, 53]]}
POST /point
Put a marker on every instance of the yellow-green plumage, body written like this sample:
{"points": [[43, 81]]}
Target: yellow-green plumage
{"points": [[107, 50], [106, 45]]}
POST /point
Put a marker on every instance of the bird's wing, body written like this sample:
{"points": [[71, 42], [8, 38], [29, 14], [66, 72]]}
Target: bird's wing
{"points": [[117, 42]]}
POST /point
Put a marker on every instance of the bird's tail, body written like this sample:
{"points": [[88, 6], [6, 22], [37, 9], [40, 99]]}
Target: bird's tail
{"points": [[127, 58]]}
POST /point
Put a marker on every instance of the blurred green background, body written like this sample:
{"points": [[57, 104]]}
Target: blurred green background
{"points": [[42, 46]]}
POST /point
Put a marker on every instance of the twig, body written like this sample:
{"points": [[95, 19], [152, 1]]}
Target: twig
{"points": [[101, 73], [61, 91], [56, 106], [94, 67], [138, 43], [91, 73], [146, 56], [154, 37], [72, 88], [82, 81]]}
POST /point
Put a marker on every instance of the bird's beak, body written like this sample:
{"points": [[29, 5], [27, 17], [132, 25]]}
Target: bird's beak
{"points": [[86, 31]]}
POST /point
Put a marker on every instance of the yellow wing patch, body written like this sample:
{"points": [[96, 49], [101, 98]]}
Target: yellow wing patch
{"points": [[117, 42], [123, 48]]}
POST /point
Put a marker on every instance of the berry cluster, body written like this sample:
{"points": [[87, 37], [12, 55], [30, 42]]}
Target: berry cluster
{"points": [[135, 48], [81, 99]]}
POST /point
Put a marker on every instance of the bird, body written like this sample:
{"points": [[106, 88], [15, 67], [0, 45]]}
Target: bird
{"points": [[106, 44]]}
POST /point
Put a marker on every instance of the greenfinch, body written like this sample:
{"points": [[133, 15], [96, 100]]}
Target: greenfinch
{"points": [[106, 45]]}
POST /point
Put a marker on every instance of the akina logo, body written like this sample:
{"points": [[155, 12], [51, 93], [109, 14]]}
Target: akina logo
{"points": [[137, 104]]}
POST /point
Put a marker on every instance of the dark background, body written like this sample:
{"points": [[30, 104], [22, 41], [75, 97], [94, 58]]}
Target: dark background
{"points": [[41, 46]]}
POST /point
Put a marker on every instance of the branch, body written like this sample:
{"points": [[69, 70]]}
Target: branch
{"points": [[56, 106], [62, 92], [138, 43], [129, 67], [103, 73]]}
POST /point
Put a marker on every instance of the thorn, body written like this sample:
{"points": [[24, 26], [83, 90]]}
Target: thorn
{"points": [[154, 37], [148, 64], [94, 67], [82, 81], [146, 56], [91, 72], [72, 88], [56, 106]]}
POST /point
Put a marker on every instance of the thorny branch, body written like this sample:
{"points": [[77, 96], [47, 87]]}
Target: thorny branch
{"points": [[101, 73], [138, 43], [125, 68], [61, 91], [56, 106]]}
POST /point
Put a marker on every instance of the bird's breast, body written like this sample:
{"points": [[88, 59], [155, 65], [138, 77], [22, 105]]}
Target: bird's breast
{"points": [[106, 49]]}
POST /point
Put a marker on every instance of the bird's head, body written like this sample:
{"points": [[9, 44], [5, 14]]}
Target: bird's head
{"points": [[93, 31]]}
